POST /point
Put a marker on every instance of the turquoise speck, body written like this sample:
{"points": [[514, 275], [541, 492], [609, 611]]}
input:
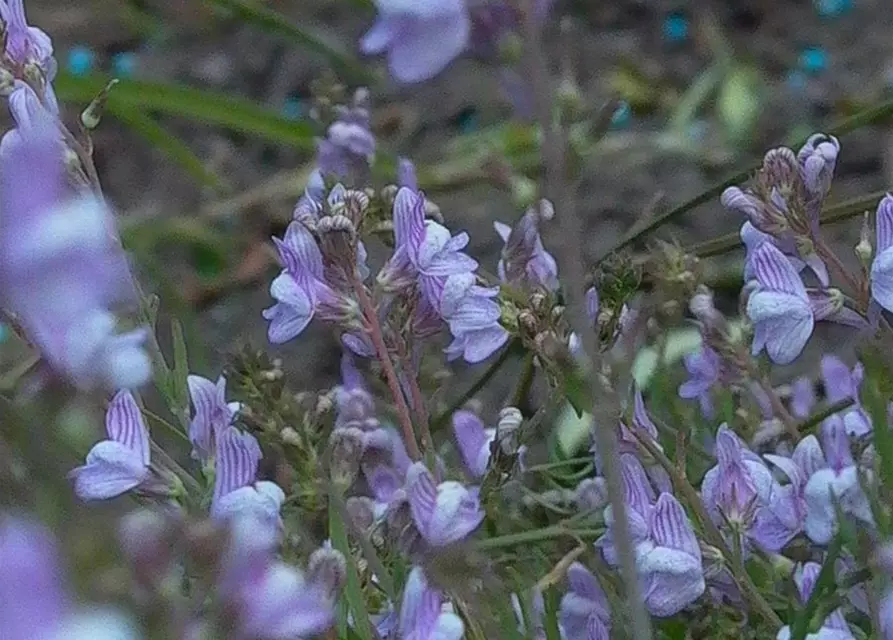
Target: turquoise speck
{"points": [[124, 64], [4, 332], [675, 27], [813, 60], [622, 116], [833, 8], [796, 80], [80, 60], [293, 109]]}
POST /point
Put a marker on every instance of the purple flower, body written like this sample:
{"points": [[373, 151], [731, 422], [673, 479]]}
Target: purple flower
{"points": [[422, 616], [779, 306], [443, 513], [841, 384], [802, 397], [743, 498], [523, 258], [62, 268], [703, 367], [882, 265], [121, 463], [236, 494], [301, 291], [421, 38], [584, 612], [817, 159], [806, 459], [752, 238], [474, 442], [835, 485], [27, 111], [213, 414], [34, 604], [349, 146], [834, 626], [29, 46]]}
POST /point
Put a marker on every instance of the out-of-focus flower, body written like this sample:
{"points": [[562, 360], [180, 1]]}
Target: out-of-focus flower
{"points": [[802, 397], [703, 368], [474, 441], [422, 616], [834, 627], [121, 463], [420, 38], [806, 459], [29, 48], [743, 498], [62, 269], [882, 265], [443, 513], [524, 260], [841, 383], [34, 604], [584, 612], [535, 613], [213, 414], [27, 111], [779, 307], [349, 146], [835, 486], [236, 494]]}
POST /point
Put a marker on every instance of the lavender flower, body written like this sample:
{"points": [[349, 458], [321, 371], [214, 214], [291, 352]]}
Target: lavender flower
{"points": [[421, 38], [34, 604], [802, 397], [703, 367], [213, 414], [422, 616], [779, 307], [584, 612], [236, 494], [29, 48], [349, 146], [524, 259], [443, 513], [806, 459], [882, 265], [474, 442], [834, 627], [121, 463], [62, 269], [817, 159], [743, 498], [843, 384], [27, 111], [752, 238], [835, 485]]}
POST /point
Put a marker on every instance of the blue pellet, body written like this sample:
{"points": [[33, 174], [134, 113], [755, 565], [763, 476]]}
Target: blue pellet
{"points": [[80, 60]]}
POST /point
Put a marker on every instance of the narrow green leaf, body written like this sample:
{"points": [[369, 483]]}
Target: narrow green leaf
{"points": [[353, 598], [181, 365], [174, 148], [301, 34], [696, 95], [550, 618], [213, 108]]}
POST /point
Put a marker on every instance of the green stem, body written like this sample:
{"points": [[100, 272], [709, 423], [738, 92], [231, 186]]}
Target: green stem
{"points": [[548, 466], [524, 382], [538, 535], [818, 417]]}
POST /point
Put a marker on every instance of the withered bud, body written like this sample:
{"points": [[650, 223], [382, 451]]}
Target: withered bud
{"points": [[92, 115], [327, 568], [289, 436], [539, 302], [557, 313], [780, 168], [508, 430], [361, 511], [355, 205], [433, 212], [527, 322], [336, 224], [347, 449], [863, 248]]}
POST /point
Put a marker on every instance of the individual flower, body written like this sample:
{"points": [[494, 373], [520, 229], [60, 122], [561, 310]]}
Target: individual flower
{"points": [[817, 159], [837, 485], [349, 146], [752, 238], [524, 260], [121, 463], [422, 616], [213, 414], [882, 265], [236, 494], [742, 497], [643, 427], [444, 513], [779, 307], [301, 291], [834, 627], [62, 269], [34, 603], [703, 368], [806, 459], [841, 383], [802, 397], [474, 441], [584, 612], [420, 38], [29, 47], [27, 111]]}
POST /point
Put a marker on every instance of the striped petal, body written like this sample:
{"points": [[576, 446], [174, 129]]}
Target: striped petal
{"points": [[884, 224], [671, 528], [124, 424], [111, 469], [783, 324], [238, 455], [774, 272]]}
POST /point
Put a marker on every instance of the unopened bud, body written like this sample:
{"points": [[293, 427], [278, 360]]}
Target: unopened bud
{"points": [[356, 204], [780, 167], [433, 211], [327, 568], [569, 98], [539, 302], [508, 429], [336, 224], [863, 248], [523, 190], [527, 322], [361, 511], [144, 538], [591, 494], [91, 116], [389, 193], [511, 49], [290, 436], [347, 448]]}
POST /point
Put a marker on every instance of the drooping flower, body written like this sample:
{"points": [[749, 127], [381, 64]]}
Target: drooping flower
{"points": [[236, 494], [34, 603], [779, 307], [836, 485], [213, 414], [422, 616], [834, 627], [121, 463], [703, 368], [742, 497], [420, 38], [584, 612], [524, 260], [882, 265], [62, 269], [474, 441], [841, 383], [444, 513]]}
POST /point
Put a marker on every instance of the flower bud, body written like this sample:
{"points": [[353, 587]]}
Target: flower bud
{"points": [[327, 568], [361, 511], [539, 302], [7, 82], [863, 248], [591, 494], [508, 429], [336, 224], [289, 436], [347, 448]]}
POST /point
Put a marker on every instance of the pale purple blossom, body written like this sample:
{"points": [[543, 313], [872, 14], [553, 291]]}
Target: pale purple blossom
{"points": [[121, 463], [422, 614], [779, 307], [752, 238], [27, 111], [882, 265], [213, 414], [842, 383], [817, 159], [834, 627], [348, 149], [473, 441], [524, 260], [443, 513], [584, 612], [802, 397], [806, 459], [62, 269], [28, 46], [420, 38], [236, 493], [703, 368]]}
